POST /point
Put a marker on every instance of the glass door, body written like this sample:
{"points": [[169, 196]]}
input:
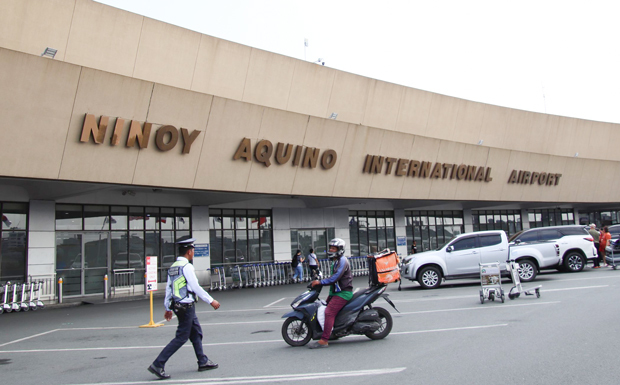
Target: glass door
{"points": [[82, 261]]}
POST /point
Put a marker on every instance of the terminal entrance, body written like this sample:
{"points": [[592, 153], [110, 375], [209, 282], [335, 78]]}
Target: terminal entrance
{"points": [[82, 260]]}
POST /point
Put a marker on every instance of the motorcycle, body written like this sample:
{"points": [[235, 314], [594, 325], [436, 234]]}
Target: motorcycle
{"points": [[358, 316]]}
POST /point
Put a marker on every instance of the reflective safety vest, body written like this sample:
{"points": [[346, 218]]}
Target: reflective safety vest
{"points": [[179, 283]]}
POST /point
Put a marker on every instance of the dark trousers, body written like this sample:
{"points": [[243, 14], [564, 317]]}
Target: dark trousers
{"points": [[189, 328], [598, 257], [334, 304]]}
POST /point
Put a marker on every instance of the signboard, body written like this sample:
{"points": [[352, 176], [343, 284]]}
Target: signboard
{"points": [[401, 241], [201, 250], [151, 274]]}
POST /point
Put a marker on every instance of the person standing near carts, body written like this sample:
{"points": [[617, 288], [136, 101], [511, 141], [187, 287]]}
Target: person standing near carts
{"points": [[340, 292], [313, 264], [181, 290]]}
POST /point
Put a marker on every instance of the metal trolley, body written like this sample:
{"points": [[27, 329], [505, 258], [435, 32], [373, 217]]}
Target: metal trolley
{"points": [[490, 282], [517, 289]]}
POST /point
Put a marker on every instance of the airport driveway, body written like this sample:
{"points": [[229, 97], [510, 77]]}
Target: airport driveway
{"points": [[567, 336]]}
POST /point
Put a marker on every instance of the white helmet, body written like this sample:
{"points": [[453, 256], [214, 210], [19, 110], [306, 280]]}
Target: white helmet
{"points": [[338, 243]]}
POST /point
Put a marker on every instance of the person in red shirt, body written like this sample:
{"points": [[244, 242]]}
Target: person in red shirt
{"points": [[603, 242]]}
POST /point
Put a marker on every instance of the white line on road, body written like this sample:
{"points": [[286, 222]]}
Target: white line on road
{"points": [[273, 303], [27, 338], [451, 329], [215, 343], [275, 377], [477, 308], [576, 288]]}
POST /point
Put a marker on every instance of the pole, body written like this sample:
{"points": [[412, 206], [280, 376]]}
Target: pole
{"points": [[105, 286], [151, 324], [60, 290]]}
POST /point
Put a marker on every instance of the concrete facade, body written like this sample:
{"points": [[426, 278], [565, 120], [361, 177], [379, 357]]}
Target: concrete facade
{"points": [[135, 74]]}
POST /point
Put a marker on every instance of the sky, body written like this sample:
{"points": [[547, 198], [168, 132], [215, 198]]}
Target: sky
{"points": [[548, 56]]}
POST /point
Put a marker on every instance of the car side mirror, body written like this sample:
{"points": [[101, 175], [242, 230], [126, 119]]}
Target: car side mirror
{"points": [[517, 241], [450, 249]]}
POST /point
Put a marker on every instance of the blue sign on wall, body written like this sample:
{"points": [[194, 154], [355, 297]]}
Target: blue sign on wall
{"points": [[201, 249], [401, 241]]}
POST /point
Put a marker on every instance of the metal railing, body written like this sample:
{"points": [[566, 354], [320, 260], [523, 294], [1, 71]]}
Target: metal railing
{"points": [[123, 280]]}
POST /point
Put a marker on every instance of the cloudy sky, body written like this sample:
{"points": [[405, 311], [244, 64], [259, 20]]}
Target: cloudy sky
{"points": [[555, 57]]}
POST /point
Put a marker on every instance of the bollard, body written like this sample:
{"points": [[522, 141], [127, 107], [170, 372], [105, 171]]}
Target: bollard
{"points": [[105, 286], [60, 290]]}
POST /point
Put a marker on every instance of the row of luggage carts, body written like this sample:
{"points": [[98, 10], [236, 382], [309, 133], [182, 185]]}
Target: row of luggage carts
{"points": [[272, 274], [21, 297]]}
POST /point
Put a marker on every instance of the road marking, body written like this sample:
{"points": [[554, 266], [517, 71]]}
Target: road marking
{"points": [[451, 329], [576, 288], [273, 303], [274, 378], [187, 346], [476, 308], [27, 338]]}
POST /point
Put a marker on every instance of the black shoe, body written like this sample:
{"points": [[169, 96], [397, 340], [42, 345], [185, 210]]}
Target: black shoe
{"points": [[159, 372], [208, 366]]}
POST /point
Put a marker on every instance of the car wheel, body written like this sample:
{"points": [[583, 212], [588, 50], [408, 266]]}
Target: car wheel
{"points": [[527, 270], [429, 277], [574, 262]]}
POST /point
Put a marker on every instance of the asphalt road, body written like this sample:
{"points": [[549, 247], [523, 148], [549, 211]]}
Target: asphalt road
{"points": [[445, 336]]}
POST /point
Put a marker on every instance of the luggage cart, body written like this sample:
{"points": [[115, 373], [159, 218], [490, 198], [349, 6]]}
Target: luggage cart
{"points": [[613, 258], [237, 280], [490, 282], [517, 289], [6, 305]]}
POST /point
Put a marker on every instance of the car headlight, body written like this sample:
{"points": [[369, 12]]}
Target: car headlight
{"points": [[408, 260]]}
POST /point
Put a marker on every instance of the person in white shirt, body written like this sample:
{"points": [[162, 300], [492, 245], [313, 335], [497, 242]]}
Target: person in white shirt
{"points": [[313, 264], [181, 290]]}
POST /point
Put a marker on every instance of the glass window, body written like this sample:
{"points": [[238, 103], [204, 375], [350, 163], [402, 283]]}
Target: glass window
{"points": [[371, 231], [152, 218], [136, 218], [239, 236], [528, 236], [490, 240], [167, 219], [464, 244], [68, 217], [118, 217], [96, 217], [14, 216], [182, 219], [433, 228], [549, 234]]}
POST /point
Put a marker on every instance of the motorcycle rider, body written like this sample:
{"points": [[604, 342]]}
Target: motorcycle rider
{"points": [[341, 289]]}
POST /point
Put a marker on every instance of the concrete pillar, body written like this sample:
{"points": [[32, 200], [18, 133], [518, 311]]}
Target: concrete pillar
{"points": [[400, 230], [42, 239], [468, 222], [525, 219], [200, 231]]}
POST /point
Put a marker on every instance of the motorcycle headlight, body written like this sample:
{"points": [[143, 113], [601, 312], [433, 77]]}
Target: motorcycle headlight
{"points": [[299, 300]]}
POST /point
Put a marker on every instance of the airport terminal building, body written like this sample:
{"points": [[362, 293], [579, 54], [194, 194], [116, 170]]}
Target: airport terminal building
{"points": [[120, 134]]}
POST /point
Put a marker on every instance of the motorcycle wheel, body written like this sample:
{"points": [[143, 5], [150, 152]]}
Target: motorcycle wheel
{"points": [[385, 319], [296, 332]]}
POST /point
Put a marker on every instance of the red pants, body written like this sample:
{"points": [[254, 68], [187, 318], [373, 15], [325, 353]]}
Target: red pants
{"points": [[334, 304]]}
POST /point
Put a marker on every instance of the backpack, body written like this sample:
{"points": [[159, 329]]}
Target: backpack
{"points": [[383, 267], [295, 261]]}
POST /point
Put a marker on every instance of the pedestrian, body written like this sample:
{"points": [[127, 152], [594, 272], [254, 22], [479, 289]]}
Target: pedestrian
{"points": [[181, 290], [340, 291], [595, 237], [297, 267], [313, 264], [603, 242], [414, 248]]}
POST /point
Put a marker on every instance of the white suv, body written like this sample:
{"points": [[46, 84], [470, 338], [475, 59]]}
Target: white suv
{"points": [[572, 243]]}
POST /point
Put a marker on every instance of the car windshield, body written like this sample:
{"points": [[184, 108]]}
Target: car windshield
{"points": [[445, 243]]}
